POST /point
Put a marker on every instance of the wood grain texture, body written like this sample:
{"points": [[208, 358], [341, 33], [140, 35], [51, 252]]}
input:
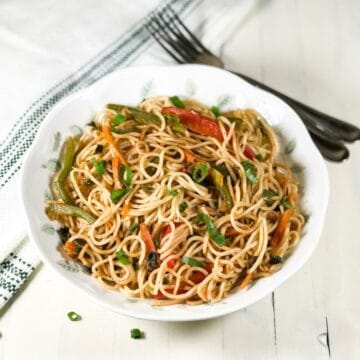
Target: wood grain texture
{"points": [[310, 50]]}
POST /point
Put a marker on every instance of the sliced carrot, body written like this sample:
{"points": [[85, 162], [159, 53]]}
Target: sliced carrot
{"points": [[115, 171], [125, 210], [189, 157], [110, 140], [279, 232], [231, 233], [209, 267], [246, 281], [70, 248], [146, 236]]}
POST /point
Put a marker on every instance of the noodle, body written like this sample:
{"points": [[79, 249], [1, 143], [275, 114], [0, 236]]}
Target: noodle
{"points": [[248, 201]]}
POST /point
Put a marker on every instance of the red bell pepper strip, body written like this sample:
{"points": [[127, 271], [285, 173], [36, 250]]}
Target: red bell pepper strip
{"points": [[248, 152], [279, 232], [196, 122], [160, 296]]}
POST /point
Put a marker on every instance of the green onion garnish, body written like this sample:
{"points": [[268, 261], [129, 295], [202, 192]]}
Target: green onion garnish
{"points": [[233, 119], [285, 203], [125, 175], [215, 110], [192, 261], [268, 194], [200, 172], [165, 281], [182, 206], [250, 172], [173, 193], [119, 119], [174, 123], [133, 228], [136, 334], [122, 257], [259, 157], [99, 166], [213, 231], [73, 316], [176, 101], [117, 194]]}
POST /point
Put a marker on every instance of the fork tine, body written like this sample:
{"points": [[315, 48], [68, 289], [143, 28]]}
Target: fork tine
{"points": [[164, 44], [186, 29], [170, 40], [186, 45]]}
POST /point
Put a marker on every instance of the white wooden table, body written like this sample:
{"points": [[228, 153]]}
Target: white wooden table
{"points": [[311, 50]]}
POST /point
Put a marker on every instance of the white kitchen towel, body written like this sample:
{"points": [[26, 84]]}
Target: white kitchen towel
{"points": [[52, 49]]}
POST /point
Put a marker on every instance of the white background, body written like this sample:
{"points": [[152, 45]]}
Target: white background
{"points": [[308, 49]]}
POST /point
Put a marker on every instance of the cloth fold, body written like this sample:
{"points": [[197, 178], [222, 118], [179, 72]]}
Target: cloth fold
{"points": [[41, 55]]}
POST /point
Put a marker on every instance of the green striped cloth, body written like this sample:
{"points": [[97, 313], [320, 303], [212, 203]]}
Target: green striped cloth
{"points": [[18, 259]]}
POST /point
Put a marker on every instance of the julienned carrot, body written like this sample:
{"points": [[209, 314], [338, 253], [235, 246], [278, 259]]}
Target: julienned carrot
{"points": [[146, 236], [115, 170], [231, 233], [125, 210], [246, 281], [70, 248], [279, 232], [189, 157], [110, 140]]}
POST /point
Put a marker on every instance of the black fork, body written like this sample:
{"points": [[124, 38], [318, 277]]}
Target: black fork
{"points": [[327, 132]]}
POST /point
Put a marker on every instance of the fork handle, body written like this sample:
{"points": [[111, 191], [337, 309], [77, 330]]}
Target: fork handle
{"points": [[343, 130]]}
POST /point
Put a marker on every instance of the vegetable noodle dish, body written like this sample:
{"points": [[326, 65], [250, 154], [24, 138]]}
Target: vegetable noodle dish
{"points": [[175, 201]]}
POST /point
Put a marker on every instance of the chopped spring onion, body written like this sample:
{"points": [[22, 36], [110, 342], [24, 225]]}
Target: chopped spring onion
{"points": [[136, 334], [119, 119], [259, 157], [176, 101], [268, 194], [213, 231], [182, 206], [192, 261], [250, 172], [285, 203], [122, 257], [174, 123], [173, 193], [133, 228], [117, 194], [200, 172], [125, 175], [73, 316], [215, 110], [99, 166]]}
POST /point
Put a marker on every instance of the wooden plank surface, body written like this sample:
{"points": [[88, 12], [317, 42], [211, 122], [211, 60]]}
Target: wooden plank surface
{"points": [[310, 50]]}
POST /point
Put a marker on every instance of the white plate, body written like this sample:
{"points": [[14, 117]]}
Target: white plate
{"points": [[213, 87]]}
